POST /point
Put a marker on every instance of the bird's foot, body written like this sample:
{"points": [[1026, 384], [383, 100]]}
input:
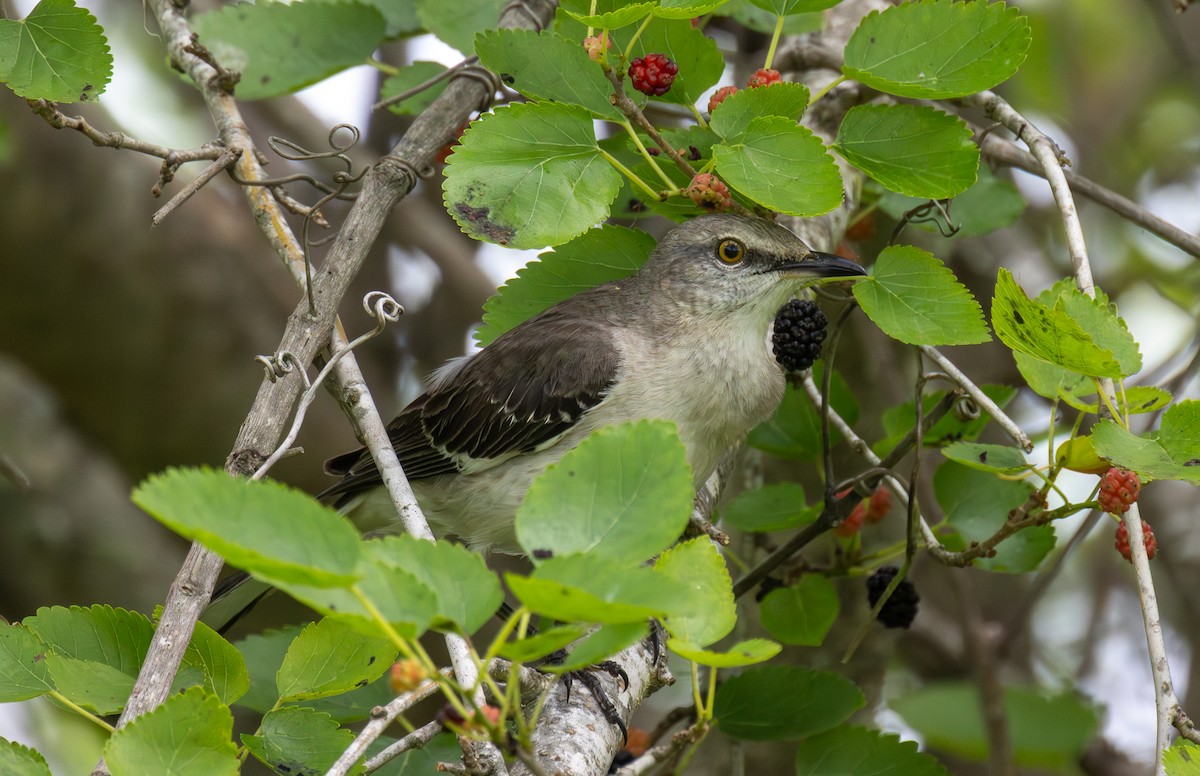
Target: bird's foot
{"points": [[587, 677]]}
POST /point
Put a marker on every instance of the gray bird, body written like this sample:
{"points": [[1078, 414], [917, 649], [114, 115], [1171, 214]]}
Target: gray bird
{"points": [[685, 339]]}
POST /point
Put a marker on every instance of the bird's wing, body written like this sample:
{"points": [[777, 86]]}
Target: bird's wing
{"points": [[519, 394]]}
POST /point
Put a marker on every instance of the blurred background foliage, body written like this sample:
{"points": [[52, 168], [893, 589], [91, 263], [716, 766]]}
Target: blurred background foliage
{"points": [[126, 349]]}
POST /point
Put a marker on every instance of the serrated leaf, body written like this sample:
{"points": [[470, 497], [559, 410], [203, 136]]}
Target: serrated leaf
{"points": [[533, 63], [937, 49], [774, 507], [1174, 455], [1079, 455], [774, 702], [625, 493], [781, 165], [710, 613], [624, 14], [600, 645], [401, 18], [277, 533], [788, 7], [686, 9], [528, 176], [23, 672], [587, 588], [409, 77], [847, 750], [542, 644], [1181, 759], [987, 458], [259, 42], [1047, 334], [298, 740], [915, 298], [700, 61], [911, 149], [190, 733], [58, 52], [263, 654], [801, 613], [457, 23], [17, 760], [221, 665], [98, 633], [327, 658], [468, 593], [754, 18], [733, 116], [1180, 432], [976, 504], [597, 256], [1098, 317], [98, 687], [744, 653], [1047, 732]]}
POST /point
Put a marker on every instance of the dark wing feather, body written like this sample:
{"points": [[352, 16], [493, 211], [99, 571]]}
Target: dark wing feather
{"points": [[522, 391]]}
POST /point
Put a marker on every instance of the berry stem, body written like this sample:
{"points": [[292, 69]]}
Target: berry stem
{"points": [[826, 89], [1108, 403], [631, 175], [774, 41], [699, 118], [636, 35], [637, 141], [591, 12]]}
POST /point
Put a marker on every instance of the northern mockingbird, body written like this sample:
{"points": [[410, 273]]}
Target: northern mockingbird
{"points": [[685, 339]]}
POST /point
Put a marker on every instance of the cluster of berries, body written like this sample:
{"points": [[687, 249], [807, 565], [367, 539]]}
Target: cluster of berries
{"points": [[1119, 488], [709, 192], [870, 510], [762, 77], [798, 335], [900, 609]]}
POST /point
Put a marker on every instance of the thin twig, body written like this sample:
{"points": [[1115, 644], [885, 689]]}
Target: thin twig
{"points": [[414, 740], [219, 165], [119, 140], [982, 399], [381, 718]]}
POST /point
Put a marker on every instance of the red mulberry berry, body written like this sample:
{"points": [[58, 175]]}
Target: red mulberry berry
{"points": [[653, 74], [719, 97], [879, 505], [707, 191], [853, 521], [1122, 541], [1118, 489], [764, 77]]}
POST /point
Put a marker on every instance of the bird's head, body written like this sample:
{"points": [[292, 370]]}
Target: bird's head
{"points": [[725, 262]]}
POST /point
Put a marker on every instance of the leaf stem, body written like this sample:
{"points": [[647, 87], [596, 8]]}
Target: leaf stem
{"points": [[774, 41], [637, 141], [631, 175], [826, 89], [636, 35], [80, 710]]}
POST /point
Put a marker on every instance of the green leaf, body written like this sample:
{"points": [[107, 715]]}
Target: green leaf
{"points": [[1047, 334], [259, 42], [1053, 381], [744, 653], [189, 734], [774, 702], [98, 687], [623, 15], [990, 203], [298, 740], [915, 298], [456, 23], [700, 61], [987, 458], [710, 614], [468, 593], [775, 507], [277, 533], [937, 49], [58, 52], [1047, 732], [23, 672], [98, 633], [900, 419], [533, 63], [263, 654], [754, 18], [588, 588], [912, 149], [802, 613], [624, 493], [1181, 759], [221, 665], [733, 116], [852, 750], [787, 7], [794, 431], [402, 599], [401, 18], [782, 166], [409, 77], [544, 643], [17, 760], [327, 658], [1098, 317], [520, 175], [1174, 455], [597, 256], [606, 641], [977, 503], [686, 9]]}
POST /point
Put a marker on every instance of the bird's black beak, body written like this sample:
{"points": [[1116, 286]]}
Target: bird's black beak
{"points": [[823, 265]]}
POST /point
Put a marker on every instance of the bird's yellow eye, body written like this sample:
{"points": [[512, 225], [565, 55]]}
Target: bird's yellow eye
{"points": [[731, 251]]}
